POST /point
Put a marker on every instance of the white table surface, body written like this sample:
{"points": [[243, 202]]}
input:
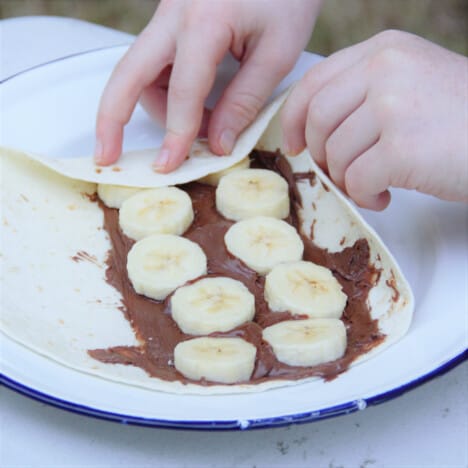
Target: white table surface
{"points": [[427, 427]]}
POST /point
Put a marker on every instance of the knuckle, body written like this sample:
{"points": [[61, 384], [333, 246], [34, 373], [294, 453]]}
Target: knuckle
{"points": [[180, 92], [388, 109], [193, 17], [387, 36], [175, 132], [391, 36], [245, 106], [386, 60], [201, 17]]}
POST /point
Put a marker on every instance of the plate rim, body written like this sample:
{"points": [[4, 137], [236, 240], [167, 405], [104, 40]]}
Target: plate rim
{"points": [[61, 58], [234, 425]]}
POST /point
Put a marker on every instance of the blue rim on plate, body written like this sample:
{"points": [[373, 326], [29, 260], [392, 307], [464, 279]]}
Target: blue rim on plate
{"points": [[300, 418], [262, 423]]}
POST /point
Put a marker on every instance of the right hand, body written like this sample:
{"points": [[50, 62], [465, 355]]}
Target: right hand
{"points": [[172, 67], [388, 112]]}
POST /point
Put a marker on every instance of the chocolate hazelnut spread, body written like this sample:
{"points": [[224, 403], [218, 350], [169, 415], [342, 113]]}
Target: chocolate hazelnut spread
{"points": [[157, 332]]}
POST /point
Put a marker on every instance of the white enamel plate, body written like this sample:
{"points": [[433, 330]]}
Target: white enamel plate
{"points": [[51, 109]]}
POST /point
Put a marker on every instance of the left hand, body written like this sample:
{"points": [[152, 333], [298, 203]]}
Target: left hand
{"points": [[172, 66]]}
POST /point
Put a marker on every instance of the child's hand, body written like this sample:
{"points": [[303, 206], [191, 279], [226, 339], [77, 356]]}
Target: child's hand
{"points": [[172, 67], [390, 111]]}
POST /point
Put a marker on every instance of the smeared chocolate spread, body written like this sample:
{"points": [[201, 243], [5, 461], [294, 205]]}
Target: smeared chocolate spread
{"points": [[157, 332]]}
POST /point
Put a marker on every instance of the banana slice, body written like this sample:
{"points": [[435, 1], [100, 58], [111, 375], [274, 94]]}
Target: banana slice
{"points": [[212, 304], [224, 360], [261, 243], [159, 264], [213, 179], [307, 342], [304, 288], [252, 192], [165, 210], [114, 195]]}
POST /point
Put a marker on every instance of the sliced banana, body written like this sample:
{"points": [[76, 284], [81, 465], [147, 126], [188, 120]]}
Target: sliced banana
{"points": [[261, 243], [252, 192], [224, 360], [304, 288], [159, 264], [114, 195], [212, 304], [165, 210], [213, 179], [307, 342]]}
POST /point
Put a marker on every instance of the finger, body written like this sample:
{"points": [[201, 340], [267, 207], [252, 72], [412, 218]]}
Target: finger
{"points": [[191, 81], [294, 113], [330, 106], [246, 95], [154, 101], [146, 58], [203, 131], [154, 97], [355, 135], [368, 177]]}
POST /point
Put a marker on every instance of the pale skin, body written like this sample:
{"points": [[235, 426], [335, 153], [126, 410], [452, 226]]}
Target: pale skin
{"points": [[391, 111], [171, 67]]}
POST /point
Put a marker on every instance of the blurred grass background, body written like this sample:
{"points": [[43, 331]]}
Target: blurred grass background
{"points": [[341, 22]]}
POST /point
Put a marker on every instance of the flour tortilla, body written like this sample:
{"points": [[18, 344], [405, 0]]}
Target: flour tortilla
{"points": [[61, 307], [134, 169]]}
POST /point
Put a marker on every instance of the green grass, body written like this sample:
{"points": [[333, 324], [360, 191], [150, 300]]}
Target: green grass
{"points": [[345, 22], [341, 23]]}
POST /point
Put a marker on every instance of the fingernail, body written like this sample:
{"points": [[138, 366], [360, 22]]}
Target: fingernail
{"points": [[161, 160], [289, 150], [98, 151], [227, 140]]}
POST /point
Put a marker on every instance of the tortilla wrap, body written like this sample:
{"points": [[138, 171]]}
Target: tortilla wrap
{"points": [[134, 168], [57, 302]]}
